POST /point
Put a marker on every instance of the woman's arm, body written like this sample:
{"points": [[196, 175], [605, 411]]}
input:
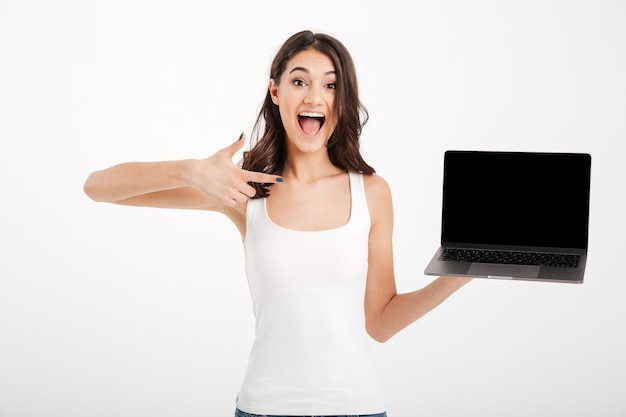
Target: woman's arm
{"points": [[214, 183], [152, 184], [211, 183], [386, 311]]}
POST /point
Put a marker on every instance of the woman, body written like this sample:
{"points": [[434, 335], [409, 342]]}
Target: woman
{"points": [[316, 223]]}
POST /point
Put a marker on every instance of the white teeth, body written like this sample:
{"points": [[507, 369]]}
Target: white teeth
{"points": [[311, 114]]}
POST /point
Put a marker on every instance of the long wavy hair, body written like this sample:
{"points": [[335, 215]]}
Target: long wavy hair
{"points": [[269, 151]]}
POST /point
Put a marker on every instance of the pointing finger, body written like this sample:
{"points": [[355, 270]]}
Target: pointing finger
{"points": [[260, 177]]}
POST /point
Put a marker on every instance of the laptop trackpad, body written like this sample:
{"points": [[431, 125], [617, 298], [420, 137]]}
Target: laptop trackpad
{"points": [[496, 270]]}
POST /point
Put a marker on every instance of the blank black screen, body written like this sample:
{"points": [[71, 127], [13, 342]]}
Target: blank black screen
{"points": [[516, 198]]}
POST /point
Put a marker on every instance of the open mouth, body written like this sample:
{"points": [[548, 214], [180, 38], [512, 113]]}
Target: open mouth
{"points": [[311, 123]]}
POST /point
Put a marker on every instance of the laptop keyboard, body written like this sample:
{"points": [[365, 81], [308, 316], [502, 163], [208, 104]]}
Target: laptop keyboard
{"points": [[561, 260]]}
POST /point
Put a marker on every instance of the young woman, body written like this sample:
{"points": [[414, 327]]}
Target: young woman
{"points": [[316, 223]]}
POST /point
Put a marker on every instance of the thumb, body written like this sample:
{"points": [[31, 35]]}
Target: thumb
{"points": [[233, 148]]}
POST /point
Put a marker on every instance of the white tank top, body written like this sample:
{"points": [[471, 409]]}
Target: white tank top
{"points": [[311, 354]]}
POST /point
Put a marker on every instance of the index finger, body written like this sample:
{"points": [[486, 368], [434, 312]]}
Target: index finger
{"points": [[261, 177]]}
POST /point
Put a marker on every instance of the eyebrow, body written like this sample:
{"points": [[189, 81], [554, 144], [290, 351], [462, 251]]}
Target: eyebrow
{"points": [[308, 72]]}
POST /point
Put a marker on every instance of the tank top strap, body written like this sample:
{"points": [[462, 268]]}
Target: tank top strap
{"points": [[255, 215], [360, 211]]}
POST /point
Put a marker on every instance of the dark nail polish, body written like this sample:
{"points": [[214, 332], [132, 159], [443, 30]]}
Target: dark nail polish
{"points": [[279, 179]]}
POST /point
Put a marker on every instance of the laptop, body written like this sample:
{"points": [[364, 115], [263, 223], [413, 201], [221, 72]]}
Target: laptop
{"points": [[514, 215]]}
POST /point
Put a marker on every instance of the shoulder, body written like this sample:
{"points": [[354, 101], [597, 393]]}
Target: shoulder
{"points": [[376, 187], [378, 196]]}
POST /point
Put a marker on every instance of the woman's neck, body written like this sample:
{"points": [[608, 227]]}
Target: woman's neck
{"points": [[309, 167]]}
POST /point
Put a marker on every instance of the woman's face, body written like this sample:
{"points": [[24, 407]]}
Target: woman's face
{"points": [[305, 96]]}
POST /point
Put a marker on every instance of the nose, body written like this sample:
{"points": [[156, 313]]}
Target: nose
{"points": [[313, 96]]}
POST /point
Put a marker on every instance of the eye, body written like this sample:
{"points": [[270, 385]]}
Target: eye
{"points": [[332, 86], [299, 83]]}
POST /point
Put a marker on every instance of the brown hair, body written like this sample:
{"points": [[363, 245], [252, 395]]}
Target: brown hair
{"points": [[269, 153]]}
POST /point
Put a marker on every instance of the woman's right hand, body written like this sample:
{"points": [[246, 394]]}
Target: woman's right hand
{"points": [[220, 179]]}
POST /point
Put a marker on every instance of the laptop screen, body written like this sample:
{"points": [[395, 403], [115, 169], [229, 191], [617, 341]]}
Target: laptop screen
{"points": [[516, 198]]}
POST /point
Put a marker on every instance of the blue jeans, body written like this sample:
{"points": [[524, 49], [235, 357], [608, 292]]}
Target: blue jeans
{"points": [[239, 413]]}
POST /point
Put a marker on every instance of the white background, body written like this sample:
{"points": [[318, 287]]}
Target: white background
{"points": [[117, 311]]}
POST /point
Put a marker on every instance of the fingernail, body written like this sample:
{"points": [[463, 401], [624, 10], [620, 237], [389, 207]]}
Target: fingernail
{"points": [[279, 179], [240, 136]]}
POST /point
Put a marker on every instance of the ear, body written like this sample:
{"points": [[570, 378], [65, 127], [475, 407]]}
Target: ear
{"points": [[273, 89]]}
